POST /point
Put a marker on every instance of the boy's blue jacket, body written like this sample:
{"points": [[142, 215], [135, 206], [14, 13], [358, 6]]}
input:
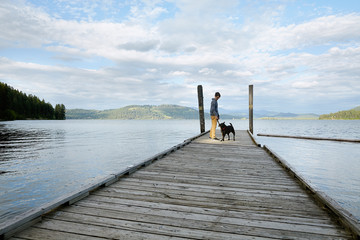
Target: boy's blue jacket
{"points": [[214, 108]]}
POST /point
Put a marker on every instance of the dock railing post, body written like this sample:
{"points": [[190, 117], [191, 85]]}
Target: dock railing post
{"points": [[251, 112], [201, 108]]}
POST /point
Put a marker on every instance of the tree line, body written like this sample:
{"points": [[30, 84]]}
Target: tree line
{"points": [[16, 105], [352, 114]]}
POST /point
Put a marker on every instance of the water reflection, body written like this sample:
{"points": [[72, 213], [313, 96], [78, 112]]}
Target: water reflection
{"points": [[23, 162], [18, 144]]}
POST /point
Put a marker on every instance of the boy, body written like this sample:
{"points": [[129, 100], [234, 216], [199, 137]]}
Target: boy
{"points": [[214, 113]]}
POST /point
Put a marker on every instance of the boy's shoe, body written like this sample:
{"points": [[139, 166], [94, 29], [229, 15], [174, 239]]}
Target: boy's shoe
{"points": [[214, 138]]}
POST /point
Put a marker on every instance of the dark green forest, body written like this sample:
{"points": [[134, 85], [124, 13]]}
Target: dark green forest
{"points": [[352, 114], [16, 105]]}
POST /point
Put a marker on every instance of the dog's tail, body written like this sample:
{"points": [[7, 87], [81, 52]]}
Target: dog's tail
{"points": [[231, 124]]}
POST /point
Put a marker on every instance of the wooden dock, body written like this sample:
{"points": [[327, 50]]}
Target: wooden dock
{"points": [[205, 190]]}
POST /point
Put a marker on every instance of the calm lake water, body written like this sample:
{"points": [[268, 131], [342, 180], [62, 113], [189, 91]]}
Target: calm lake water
{"points": [[43, 160]]}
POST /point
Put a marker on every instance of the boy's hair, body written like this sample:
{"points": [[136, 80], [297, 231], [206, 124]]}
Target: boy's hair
{"points": [[217, 94]]}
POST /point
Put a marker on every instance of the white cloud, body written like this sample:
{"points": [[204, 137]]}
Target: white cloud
{"points": [[24, 25], [238, 73], [320, 31], [305, 84], [142, 46], [202, 42], [179, 73], [207, 71]]}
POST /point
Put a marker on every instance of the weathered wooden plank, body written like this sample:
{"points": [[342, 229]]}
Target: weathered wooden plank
{"points": [[215, 183], [163, 186], [21, 227], [151, 175], [219, 159], [215, 194], [318, 215], [203, 194], [218, 224], [121, 229], [231, 216], [232, 204], [240, 178], [34, 233], [225, 202], [198, 214], [98, 231], [227, 169]]}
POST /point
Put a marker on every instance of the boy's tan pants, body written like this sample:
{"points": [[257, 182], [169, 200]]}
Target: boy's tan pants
{"points": [[213, 126]]}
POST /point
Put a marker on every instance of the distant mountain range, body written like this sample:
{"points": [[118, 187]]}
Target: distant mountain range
{"points": [[173, 112], [136, 112], [280, 115]]}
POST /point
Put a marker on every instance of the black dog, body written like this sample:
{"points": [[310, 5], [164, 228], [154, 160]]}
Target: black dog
{"points": [[226, 130]]}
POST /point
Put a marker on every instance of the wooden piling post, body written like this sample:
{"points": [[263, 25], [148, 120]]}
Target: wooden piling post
{"points": [[251, 112], [201, 108]]}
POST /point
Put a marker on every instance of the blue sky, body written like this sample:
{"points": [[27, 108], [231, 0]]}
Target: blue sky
{"points": [[301, 56]]}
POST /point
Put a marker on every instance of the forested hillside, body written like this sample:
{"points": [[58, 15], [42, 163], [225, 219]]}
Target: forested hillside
{"points": [[352, 114], [152, 112], [136, 112], [16, 105]]}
